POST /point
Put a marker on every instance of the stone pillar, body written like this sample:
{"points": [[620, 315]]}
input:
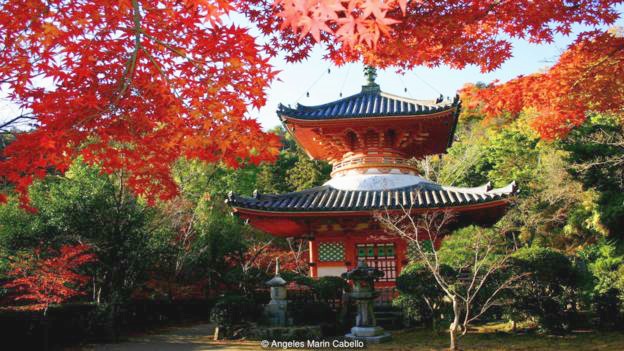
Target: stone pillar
{"points": [[275, 310], [364, 294]]}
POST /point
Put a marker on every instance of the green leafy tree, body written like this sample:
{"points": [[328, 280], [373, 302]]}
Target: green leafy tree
{"points": [[421, 298], [602, 267], [548, 295], [480, 275], [307, 173], [596, 156], [293, 170], [553, 208], [197, 236], [86, 206]]}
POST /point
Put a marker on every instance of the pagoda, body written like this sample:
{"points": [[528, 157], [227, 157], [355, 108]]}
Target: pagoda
{"points": [[369, 139]]}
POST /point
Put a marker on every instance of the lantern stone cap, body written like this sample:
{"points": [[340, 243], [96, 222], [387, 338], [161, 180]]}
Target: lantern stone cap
{"points": [[363, 272], [276, 281]]}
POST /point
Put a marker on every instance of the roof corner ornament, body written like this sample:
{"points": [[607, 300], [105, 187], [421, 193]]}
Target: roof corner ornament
{"points": [[371, 74]]}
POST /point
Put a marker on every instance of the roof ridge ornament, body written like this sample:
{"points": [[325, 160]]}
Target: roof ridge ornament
{"points": [[371, 87]]}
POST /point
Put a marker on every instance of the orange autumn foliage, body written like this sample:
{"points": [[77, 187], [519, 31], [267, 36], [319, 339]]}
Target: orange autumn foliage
{"points": [[47, 277], [589, 76], [132, 85], [418, 32]]}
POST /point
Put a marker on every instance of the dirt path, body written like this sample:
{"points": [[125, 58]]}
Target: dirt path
{"points": [[194, 338]]}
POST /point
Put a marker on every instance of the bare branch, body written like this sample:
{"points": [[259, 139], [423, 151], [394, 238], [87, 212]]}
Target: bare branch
{"points": [[484, 262], [13, 121]]}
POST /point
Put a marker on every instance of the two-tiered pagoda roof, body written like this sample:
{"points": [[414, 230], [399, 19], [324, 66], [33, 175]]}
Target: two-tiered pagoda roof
{"points": [[369, 138]]}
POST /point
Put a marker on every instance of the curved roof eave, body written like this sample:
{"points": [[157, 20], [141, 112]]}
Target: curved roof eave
{"points": [[368, 104], [328, 199]]}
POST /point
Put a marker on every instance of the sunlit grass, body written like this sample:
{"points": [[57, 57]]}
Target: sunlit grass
{"points": [[498, 337]]}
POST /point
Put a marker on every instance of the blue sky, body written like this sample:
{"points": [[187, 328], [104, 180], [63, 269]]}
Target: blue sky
{"points": [[295, 80], [311, 76]]}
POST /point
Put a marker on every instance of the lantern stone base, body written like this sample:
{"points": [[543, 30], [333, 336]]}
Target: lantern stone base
{"points": [[275, 313], [371, 335]]}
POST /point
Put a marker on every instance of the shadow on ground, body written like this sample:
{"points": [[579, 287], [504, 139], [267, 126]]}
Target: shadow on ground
{"points": [[195, 338]]}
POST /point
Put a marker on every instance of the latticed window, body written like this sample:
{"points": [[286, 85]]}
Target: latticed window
{"points": [[380, 256], [331, 252]]}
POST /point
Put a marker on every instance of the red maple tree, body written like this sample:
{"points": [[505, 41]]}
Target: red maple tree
{"points": [[589, 76], [137, 84], [131, 84], [46, 277], [418, 32]]}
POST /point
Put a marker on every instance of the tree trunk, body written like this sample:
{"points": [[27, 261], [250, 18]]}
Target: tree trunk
{"points": [[453, 329], [46, 333]]}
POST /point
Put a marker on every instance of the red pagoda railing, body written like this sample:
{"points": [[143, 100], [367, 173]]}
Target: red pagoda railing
{"points": [[372, 161]]}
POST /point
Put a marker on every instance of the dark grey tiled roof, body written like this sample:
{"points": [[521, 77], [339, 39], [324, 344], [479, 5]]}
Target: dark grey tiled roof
{"points": [[368, 104], [326, 198]]}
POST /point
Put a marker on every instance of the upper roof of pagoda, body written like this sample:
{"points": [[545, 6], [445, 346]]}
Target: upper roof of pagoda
{"points": [[366, 104], [373, 122]]}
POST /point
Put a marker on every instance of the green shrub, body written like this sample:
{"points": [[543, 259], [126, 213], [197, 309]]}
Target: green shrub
{"points": [[328, 288], [421, 298], [230, 310], [548, 293], [297, 278]]}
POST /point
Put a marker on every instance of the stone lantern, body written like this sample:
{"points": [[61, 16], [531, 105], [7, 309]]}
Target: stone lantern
{"points": [[363, 293], [275, 310]]}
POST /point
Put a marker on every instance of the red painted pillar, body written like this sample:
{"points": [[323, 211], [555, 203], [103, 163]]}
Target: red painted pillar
{"points": [[401, 254], [349, 251], [313, 253]]}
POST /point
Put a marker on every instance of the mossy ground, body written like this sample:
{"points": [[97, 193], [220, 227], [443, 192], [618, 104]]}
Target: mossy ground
{"points": [[492, 337], [498, 337]]}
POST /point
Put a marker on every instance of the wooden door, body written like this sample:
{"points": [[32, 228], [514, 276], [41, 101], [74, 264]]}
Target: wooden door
{"points": [[381, 256]]}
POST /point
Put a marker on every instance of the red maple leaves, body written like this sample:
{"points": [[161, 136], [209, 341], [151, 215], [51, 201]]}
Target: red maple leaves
{"points": [[413, 33], [357, 21], [589, 76], [41, 279], [132, 85]]}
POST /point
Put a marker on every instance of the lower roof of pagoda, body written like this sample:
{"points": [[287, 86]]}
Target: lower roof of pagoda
{"points": [[372, 193]]}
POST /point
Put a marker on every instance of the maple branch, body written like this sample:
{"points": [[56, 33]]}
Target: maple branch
{"points": [[196, 63], [252, 259], [8, 123], [131, 64]]}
